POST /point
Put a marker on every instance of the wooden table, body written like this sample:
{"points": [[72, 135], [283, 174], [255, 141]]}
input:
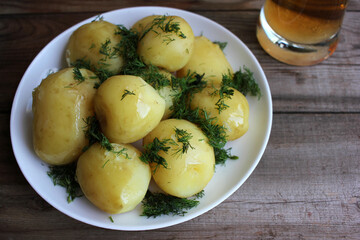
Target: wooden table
{"points": [[307, 185]]}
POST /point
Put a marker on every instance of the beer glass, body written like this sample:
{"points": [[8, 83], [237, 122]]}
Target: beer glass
{"points": [[300, 32]]}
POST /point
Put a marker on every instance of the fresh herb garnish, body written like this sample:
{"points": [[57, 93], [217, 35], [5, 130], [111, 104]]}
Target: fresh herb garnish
{"points": [[157, 204], [244, 81], [126, 92], [65, 176], [183, 137], [93, 134], [78, 76], [111, 219], [151, 152], [222, 45], [98, 18]]}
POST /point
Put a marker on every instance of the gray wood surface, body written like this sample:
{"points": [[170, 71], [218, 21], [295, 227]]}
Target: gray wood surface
{"points": [[307, 185]]}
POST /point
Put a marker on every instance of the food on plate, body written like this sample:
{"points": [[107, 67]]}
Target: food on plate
{"points": [[189, 160], [208, 59], [60, 103], [165, 41], [115, 181], [230, 107], [127, 108], [95, 43]]}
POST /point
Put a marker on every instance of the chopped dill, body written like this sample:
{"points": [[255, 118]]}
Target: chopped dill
{"points": [[157, 204], [183, 137], [127, 92], [224, 92], [65, 176], [78, 76], [244, 81], [222, 45], [105, 163], [111, 219], [151, 152], [166, 25], [93, 134]]}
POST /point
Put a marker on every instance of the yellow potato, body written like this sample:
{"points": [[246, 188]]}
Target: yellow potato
{"points": [[207, 58], [96, 42], [114, 182], [127, 108], [60, 103], [235, 118], [187, 173], [163, 46]]}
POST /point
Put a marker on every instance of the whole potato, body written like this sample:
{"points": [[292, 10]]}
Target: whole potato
{"points": [[166, 42], [96, 42], [127, 108], [114, 181], [235, 118], [60, 103], [208, 59], [188, 172]]}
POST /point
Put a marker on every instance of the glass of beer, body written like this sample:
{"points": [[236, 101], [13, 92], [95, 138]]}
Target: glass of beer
{"points": [[300, 32]]}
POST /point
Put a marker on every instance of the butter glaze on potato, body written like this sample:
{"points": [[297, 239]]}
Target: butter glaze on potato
{"points": [[115, 183], [60, 105], [187, 173], [127, 108]]}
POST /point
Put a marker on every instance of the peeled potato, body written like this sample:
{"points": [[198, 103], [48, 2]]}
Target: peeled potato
{"points": [[207, 58], [114, 182], [187, 173], [127, 108], [60, 103], [235, 118], [163, 46], [96, 42]]}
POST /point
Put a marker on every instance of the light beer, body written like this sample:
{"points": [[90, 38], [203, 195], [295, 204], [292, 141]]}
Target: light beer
{"points": [[308, 28]]}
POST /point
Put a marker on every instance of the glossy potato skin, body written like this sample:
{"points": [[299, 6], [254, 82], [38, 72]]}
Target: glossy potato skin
{"points": [[166, 49], [207, 58], [126, 119], [85, 43], [187, 173], [60, 104], [113, 182], [235, 118]]}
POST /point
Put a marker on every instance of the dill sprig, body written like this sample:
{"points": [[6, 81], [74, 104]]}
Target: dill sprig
{"points": [[166, 25], [157, 204], [78, 76], [244, 81], [126, 92], [183, 137], [224, 92], [93, 134], [222, 45], [65, 176], [151, 152]]}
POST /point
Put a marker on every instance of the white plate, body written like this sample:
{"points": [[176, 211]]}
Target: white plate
{"points": [[226, 180]]}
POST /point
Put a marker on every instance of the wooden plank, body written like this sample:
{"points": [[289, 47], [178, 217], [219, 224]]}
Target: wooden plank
{"points": [[330, 86], [57, 6], [305, 187]]}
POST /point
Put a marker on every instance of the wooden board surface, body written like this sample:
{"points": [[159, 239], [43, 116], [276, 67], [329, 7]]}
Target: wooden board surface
{"points": [[307, 185]]}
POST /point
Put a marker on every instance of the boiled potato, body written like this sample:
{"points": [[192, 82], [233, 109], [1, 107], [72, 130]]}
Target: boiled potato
{"points": [[127, 108], [187, 173], [166, 41], [60, 103], [235, 118], [114, 181], [96, 42], [208, 59]]}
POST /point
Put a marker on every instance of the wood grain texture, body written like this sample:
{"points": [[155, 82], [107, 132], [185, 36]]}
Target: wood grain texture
{"points": [[305, 187]]}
